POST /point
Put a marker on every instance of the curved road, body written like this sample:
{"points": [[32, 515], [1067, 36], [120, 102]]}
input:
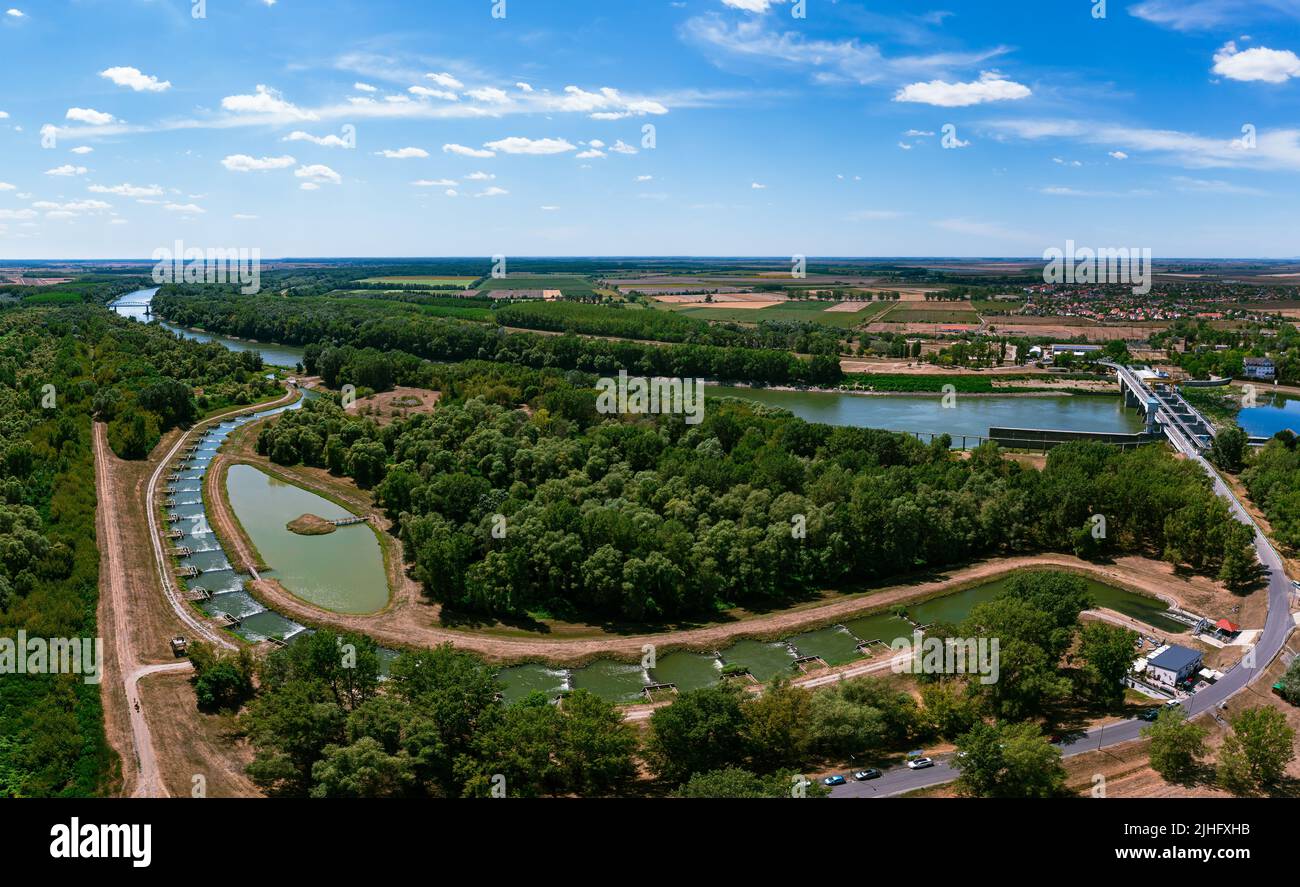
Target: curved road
{"points": [[1269, 643]]}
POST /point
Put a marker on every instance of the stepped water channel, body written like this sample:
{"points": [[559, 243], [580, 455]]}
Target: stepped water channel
{"points": [[862, 637]]}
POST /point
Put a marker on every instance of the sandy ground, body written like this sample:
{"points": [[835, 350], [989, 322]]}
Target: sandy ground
{"points": [[388, 406]]}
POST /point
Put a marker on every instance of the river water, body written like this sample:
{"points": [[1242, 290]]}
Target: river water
{"points": [[272, 353]]}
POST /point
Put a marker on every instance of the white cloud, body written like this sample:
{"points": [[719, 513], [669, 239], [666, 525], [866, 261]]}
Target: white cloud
{"points": [[522, 145], [494, 191], [622, 147], [549, 209], [67, 170], [918, 133], [872, 215], [446, 80], [329, 141], [1118, 155], [524, 87], [16, 215], [128, 190], [318, 173], [266, 102], [1274, 149], [480, 176], [757, 186], [243, 217], [1257, 63], [1214, 186], [364, 87], [134, 78], [489, 94], [309, 186], [991, 87], [452, 192], [467, 152], [89, 116], [187, 208], [434, 183], [644, 179], [591, 154], [1197, 15], [4, 115], [402, 153], [15, 13], [82, 149], [905, 146], [760, 6], [5, 186], [426, 92], [245, 163]]}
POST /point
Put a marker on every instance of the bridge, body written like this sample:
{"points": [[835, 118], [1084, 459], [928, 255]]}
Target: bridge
{"points": [[1166, 411]]}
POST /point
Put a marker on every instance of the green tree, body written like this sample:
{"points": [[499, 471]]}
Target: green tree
{"points": [[362, 770], [1107, 654], [1256, 752], [1228, 450], [734, 782], [778, 728], [1008, 761], [701, 730], [1177, 745]]}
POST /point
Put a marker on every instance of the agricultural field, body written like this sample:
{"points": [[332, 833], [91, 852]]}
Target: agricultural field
{"points": [[462, 282], [906, 313], [804, 312], [568, 284]]}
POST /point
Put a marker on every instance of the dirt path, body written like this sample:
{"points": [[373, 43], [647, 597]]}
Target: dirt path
{"points": [[139, 762]]}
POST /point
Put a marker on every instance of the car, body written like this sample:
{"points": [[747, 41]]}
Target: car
{"points": [[1150, 714], [1172, 703], [869, 773], [834, 780], [920, 763]]}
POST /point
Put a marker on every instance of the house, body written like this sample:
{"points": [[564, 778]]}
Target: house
{"points": [[1259, 368], [1172, 665], [1076, 350]]}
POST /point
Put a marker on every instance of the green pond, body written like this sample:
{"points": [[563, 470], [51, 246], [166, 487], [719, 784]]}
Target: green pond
{"points": [[342, 571], [837, 645]]}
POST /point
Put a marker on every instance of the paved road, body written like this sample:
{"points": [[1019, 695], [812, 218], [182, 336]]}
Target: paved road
{"points": [[1269, 643]]}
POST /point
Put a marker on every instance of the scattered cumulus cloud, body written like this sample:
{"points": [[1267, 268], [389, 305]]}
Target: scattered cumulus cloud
{"points": [[135, 79], [991, 87], [1256, 64], [247, 163]]}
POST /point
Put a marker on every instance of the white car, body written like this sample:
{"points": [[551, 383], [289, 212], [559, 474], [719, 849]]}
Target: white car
{"points": [[920, 763]]}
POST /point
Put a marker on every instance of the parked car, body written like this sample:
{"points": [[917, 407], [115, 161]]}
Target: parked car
{"points": [[869, 773], [920, 763], [1150, 714], [834, 780]]}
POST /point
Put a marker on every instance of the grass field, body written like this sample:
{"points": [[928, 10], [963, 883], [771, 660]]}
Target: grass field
{"points": [[422, 281], [802, 312], [568, 284], [904, 313]]}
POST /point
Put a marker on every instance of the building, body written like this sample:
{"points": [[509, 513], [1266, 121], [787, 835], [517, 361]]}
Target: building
{"points": [[1259, 368], [1076, 350], [1172, 665]]}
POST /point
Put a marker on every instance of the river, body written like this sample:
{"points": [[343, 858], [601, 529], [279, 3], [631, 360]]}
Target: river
{"points": [[135, 305]]}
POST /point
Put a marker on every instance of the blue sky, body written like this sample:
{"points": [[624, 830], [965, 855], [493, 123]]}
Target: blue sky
{"points": [[385, 128]]}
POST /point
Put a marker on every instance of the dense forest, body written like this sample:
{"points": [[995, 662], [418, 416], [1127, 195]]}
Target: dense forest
{"points": [[392, 326], [654, 519], [51, 731]]}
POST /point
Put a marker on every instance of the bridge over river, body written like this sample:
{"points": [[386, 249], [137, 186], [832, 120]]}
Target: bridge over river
{"points": [[1166, 411]]}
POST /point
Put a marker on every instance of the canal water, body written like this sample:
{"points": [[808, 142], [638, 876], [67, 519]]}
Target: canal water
{"points": [[341, 571], [837, 645], [276, 355], [214, 576], [971, 415]]}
